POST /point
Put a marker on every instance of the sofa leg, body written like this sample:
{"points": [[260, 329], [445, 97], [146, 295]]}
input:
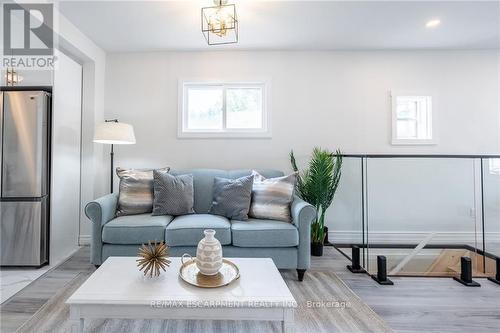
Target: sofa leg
{"points": [[300, 274]]}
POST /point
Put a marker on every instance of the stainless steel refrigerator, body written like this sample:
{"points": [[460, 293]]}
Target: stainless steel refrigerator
{"points": [[25, 180]]}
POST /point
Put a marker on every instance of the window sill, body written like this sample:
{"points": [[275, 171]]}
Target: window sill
{"points": [[224, 135], [413, 142]]}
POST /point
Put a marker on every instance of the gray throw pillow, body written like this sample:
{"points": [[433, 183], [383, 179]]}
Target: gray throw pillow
{"points": [[272, 197], [173, 195], [136, 191], [231, 197]]}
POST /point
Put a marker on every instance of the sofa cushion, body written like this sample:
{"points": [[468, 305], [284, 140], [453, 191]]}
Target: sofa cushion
{"points": [[135, 229], [264, 233], [187, 230]]}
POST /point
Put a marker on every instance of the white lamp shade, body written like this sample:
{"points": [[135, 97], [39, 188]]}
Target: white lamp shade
{"points": [[114, 133]]}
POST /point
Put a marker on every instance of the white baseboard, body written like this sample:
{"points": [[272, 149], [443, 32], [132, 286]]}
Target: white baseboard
{"points": [[402, 237], [84, 240]]}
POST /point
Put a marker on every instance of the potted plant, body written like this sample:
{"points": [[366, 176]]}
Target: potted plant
{"points": [[317, 185]]}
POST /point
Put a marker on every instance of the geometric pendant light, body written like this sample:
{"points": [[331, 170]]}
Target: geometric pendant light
{"points": [[219, 24]]}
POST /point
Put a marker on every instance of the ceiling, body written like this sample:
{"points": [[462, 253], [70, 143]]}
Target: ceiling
{"points": [[131, 26]]}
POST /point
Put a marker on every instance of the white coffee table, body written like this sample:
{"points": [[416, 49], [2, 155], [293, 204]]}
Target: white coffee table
{"points": [[118, 290]]}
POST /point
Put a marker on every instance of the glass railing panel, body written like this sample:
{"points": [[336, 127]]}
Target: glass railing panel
{"points": [[491, 211], [345, 214], [421, 214]]}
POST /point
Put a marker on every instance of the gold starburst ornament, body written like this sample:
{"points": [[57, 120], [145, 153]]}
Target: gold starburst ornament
{"points": [[153, 257]]}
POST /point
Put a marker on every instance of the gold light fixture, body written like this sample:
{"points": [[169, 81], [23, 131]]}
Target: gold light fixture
{"points": [[219, 24], [12, 77]]}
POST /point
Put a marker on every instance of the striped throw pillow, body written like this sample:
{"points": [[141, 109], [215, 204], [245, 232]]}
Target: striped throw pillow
{"points": [[272, 197], [136, 191]]}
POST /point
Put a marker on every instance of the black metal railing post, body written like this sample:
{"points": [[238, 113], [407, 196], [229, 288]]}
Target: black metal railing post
{"points": [[355, 267], [466, 273], [381, 276]]}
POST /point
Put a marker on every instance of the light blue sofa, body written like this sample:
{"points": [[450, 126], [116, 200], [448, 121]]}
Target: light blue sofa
{"points": [[288, 244]]}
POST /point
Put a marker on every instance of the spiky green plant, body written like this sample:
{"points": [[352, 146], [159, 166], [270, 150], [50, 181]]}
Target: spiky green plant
{"points": [[317, 185]]}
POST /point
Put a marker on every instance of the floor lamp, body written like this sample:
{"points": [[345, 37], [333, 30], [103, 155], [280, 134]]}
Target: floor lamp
{"points": [[112, 132]]}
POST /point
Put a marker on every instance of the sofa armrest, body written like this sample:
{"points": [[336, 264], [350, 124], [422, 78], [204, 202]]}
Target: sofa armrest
{"points": [[100, 211], [303, 214]]}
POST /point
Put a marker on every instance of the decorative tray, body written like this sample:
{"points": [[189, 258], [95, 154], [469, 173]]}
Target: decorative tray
{"points": [[228, 273]]}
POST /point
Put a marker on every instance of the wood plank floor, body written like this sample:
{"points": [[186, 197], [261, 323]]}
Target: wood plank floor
{"points": [[422, 304], [23, 305], [411, 305], [322, 288]]}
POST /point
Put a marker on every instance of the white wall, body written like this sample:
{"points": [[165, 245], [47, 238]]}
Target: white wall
{"points": [[93, 60], [328, 99], [66, 143]]}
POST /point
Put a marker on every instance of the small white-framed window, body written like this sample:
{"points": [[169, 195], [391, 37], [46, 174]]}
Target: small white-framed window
{"points": [[223, 109], [412, 122]]}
